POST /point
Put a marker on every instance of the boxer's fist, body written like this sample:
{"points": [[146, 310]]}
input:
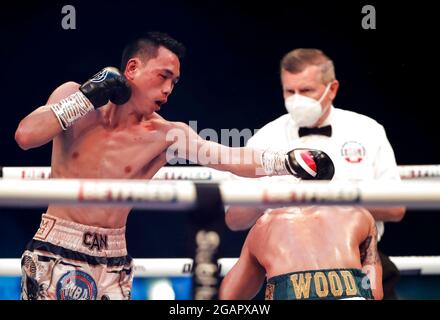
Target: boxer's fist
{"points": [[108, 84], [310, 164]]}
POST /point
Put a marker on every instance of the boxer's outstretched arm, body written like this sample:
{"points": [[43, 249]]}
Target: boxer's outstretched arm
{"points": [[41, 125], [187, 144], [371, 264], [241, 161], [245, 279], [246, 161]]}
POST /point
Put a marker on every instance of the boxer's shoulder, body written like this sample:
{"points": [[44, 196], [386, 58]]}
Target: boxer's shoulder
{"points": [[364, 214], [265, 219], [157, 123], [350, 213]]}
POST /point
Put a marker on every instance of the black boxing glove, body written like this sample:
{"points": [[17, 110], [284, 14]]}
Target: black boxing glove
{"points": [[306, 164], [310, 164], [108, 84]]}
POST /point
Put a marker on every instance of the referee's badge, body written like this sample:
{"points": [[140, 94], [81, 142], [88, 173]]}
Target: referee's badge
{"points": [[353, 152]]}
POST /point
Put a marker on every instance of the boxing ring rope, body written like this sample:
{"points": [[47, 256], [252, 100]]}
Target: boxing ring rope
{"points": [[182, 195], [31, 186], [203, 173], [137, 193], [419, 171], [177, 267]]}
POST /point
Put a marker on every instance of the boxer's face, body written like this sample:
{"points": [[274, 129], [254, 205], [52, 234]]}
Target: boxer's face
{"points": [[308, 83], [153, 80]]}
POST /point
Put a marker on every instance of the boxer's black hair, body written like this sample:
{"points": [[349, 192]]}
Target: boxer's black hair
{"points": [[148, 45]]}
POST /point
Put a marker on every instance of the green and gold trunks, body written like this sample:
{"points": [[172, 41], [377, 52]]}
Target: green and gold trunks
{"points": [[330, 284]]}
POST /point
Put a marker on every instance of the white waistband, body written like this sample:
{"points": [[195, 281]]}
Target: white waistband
{"points": [[94, 241]]}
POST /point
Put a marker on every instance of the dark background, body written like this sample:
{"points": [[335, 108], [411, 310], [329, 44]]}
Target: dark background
{"points": [[230, 79]]}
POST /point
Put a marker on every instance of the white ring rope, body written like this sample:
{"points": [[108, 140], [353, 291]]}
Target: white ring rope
{"points": [[177, 195], [421, 265], [173, 267], [138, 193], [419, 171], [143, 267], [204, 173]]}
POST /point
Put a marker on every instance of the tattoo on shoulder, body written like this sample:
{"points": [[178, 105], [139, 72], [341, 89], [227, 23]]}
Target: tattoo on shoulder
{"points": [[363, 248], [368, 248]]}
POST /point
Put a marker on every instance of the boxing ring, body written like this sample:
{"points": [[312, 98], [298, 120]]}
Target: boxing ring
{"points": [[180, 189]]}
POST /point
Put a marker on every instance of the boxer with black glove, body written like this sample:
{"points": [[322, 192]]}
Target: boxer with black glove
{"points": [[113, 132], [107, 85]]}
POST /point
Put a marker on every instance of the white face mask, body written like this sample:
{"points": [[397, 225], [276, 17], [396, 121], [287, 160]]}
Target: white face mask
{"points": [[305, 111]]}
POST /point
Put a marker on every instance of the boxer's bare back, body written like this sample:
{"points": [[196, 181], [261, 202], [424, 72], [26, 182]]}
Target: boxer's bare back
{"points": [[287, 240], [297, 239]]}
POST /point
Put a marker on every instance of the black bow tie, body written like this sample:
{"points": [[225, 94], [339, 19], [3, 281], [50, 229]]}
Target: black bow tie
{"points": [[324, 131]]}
